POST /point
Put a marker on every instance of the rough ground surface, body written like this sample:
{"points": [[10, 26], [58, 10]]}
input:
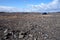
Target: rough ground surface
{"points": [[29, 27]]}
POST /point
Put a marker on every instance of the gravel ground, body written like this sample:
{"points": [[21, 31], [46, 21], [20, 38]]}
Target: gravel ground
{"points": [[30, 27]]}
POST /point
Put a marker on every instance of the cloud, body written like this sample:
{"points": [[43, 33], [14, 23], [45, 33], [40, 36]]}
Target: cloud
{"points": [[52, 6], [8, 9]]}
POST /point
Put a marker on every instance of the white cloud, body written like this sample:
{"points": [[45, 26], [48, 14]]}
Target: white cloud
{"points": [[8, 9], [52, 6]]}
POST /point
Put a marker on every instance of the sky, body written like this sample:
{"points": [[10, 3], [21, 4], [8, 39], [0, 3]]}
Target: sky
{"points": [[30, 5]]}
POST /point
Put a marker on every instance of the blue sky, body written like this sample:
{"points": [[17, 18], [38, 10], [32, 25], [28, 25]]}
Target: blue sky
{"points": [[29, 5], [21, 3]]}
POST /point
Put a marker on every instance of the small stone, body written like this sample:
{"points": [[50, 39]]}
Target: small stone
{"points": [[5, 37], [21, 36], [35, 39], [6, 31], [30, 35], [39, 32], [15, 36], [45, 36]]}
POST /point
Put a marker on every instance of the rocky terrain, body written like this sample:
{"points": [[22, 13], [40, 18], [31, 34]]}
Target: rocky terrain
{"points": [[29, 26]]}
